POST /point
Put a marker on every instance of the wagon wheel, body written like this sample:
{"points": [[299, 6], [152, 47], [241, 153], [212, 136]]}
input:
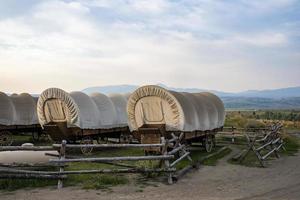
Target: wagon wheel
{"points": [[86, 150], [6, 138], [125, 139], [209, 143]]}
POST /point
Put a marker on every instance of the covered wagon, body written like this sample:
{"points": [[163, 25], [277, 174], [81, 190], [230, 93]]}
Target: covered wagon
{"points": [[154, 112], [17, 115], [77, 116]]}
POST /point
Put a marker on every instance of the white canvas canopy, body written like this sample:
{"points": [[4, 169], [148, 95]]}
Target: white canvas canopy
{"points": [[17, 109], [179, 111], [120, 104], [7, 110], [77, 109], [108, 115], [25, 109]]}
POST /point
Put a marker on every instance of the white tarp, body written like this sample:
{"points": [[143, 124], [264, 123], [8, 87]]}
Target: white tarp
{"points": [[120, 104], [25, 107], [96, 111], [179, 111], [7, 110], [17, 109], [107, 114]]}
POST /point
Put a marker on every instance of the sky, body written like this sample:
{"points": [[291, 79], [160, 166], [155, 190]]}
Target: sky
{"points": [[225, 45]]}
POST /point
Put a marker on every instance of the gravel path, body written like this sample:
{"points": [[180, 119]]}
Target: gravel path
{"points": [[281, 180]]}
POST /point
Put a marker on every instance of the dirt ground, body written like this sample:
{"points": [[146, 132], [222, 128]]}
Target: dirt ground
{"points": [[281, 180]]}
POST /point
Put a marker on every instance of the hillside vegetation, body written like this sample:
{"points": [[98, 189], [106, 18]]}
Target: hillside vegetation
{"points": [[261, 103], [260, 118]]}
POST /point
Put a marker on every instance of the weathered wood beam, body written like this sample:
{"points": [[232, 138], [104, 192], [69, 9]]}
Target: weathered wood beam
{"points": [[92, 171], [213, 154], [176, 150], [108, 145], [179, 159], [26, 148], [109, 159]]}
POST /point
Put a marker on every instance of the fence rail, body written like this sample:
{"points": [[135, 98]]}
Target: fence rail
{"points": [[233, 133], [108, 145], [27, 148], [110, 159]]}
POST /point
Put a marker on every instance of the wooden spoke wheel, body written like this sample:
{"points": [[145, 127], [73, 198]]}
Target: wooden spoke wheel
{"points": [[86, 150], [209, 143], [125, 139], [6, 138]]}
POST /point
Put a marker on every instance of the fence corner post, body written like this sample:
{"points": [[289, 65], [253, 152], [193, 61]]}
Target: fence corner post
{"points": [[62, 156], [166, 162], [233, 136]]}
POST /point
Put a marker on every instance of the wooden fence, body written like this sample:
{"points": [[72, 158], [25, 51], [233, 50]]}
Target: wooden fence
{"points": [[234, 133], [263, 145], [171, 153]]}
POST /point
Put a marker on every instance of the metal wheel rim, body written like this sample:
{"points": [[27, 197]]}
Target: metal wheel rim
{"points": [[125, 139]]}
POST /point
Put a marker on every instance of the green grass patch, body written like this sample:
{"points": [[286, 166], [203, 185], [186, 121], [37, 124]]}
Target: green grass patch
{"points": [[15, 184], [197, 155], [237, 140], [96, 181], [85, 181], [212, 161], [291, 145], [21, 139], [27, 138]]}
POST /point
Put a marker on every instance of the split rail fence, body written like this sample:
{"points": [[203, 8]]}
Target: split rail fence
{"points": [[263, 145], [171, 152], [234, 133]]}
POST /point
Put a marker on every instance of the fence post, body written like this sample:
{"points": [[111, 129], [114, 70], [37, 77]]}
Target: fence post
{"points": [[166, 162], [62, 156], [233, 136]]}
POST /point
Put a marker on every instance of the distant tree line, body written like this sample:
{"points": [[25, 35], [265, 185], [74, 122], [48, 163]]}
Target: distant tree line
{"points": [[273, 115]]}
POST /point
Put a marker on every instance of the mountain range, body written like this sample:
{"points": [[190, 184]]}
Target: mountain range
{"points": [[284, 98], [274, 94]]}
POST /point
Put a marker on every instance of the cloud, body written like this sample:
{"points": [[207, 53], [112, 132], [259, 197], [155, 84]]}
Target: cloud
{"points": [[268, 39], [76, 44], [156, 6], [269, 5]]}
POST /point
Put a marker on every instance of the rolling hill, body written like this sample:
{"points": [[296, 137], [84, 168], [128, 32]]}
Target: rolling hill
{"points": [[285, 98]]}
